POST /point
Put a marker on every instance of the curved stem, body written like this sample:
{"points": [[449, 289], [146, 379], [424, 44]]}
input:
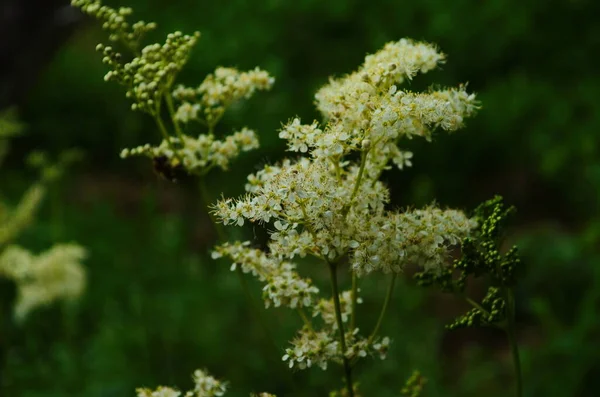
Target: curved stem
{"points": [[386, 302], [340, 324], [512, 340]]}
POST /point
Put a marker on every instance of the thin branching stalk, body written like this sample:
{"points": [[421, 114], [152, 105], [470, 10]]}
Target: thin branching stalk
{"points": [[386, 302], [305, 318], [171, 109], [512, 340], [165, 135], [340, 324], [354, 298]]}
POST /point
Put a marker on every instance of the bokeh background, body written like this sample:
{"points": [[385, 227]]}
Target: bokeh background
{"points": [[157, 307]]}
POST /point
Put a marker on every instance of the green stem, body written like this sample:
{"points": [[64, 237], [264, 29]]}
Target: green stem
{"points": [[171, 109], [386, 302], [361, 170], [166, 137], [354, 299], [512, 340], [476, 305], [305, 319], [340, 324]]}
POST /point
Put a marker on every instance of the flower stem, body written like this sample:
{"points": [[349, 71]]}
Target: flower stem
{"points": [[361, 170], [340, 324], [512, 340], [354, 299], [305, 319], [166, 137], [476, 305], [386, 302], [171, 109]]}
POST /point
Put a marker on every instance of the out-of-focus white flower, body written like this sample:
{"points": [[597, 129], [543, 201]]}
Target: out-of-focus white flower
{"points": [[42, 279]]}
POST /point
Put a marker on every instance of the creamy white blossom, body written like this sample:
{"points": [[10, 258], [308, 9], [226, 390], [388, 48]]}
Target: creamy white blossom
{"points": [[283, 285], [325, 309], [199, 155], [42, 279], [205, 385]]}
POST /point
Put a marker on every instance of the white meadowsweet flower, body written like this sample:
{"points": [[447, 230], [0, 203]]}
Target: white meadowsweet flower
{"points": [[326, 310], [227, 85], [283, 285], [206, 385], [421, 237], [199, 155], [312, 348], [42, 279], [161, 391]]}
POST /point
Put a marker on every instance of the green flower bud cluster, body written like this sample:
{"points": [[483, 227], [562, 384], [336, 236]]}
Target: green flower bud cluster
{"points": [[491, 311], [481, 257], [151, 74], [115, 22], [414, 385]]}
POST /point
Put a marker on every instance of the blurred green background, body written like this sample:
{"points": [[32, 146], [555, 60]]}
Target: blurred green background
{"points": [[156, 307]]}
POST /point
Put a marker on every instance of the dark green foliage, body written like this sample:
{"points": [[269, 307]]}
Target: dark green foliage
{"points": [[534, 66]]}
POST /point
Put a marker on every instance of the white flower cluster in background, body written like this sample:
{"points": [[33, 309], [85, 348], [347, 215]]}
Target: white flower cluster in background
{"points": [[199, 155], [149, 78], [205, 385], [217, 92], [331, 205], [42, 279]]}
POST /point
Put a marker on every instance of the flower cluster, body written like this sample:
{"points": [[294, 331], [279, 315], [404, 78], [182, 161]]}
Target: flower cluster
{"points": [[150, 75], [42, 279], [199, 155], [205, 385], [149, 78], [217, 92], [283, 285], [332, 207], [422, 237], [367, 105], [318, 348], [115, 22]]}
